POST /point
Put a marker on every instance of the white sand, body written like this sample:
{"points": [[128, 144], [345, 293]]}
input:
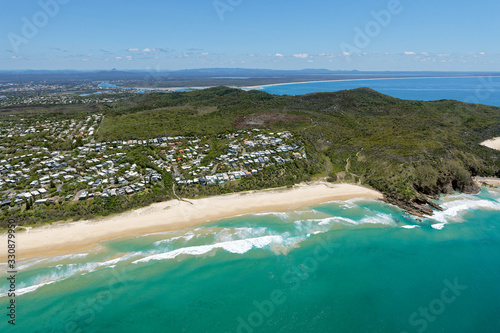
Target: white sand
{"points": [[493, 143], [350, 80], [65, 237], [487, 180]]}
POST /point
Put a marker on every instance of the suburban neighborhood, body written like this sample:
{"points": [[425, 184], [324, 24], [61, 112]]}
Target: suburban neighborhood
{"points": [[46, 162]]}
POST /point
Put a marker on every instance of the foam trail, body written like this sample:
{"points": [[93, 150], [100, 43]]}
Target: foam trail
{"points": [[49, 260], [237, 246], [385, 219], [438, 226], [453, 210], [63, 272], [410, 226], [186, 238]]}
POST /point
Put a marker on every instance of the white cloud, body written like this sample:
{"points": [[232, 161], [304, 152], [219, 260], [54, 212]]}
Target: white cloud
{"points": [[409, 53], [301, 55], [424, 53], [204, 54], [147, 50], [443, 55], [118, 58], [16, 57], [279, 55]]}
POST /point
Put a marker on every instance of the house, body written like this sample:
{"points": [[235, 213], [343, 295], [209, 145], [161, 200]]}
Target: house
{"points": [[83, 196], [53, 200]]}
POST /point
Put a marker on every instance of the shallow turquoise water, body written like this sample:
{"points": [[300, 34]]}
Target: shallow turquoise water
{"points": [[355, 266]]}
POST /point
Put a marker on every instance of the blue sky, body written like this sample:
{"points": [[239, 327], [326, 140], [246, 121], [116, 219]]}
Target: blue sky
{"points": [[276, 34]]}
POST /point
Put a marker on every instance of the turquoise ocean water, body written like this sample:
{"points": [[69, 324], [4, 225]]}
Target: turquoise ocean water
{"points": [[354, 266], [482, 90]]}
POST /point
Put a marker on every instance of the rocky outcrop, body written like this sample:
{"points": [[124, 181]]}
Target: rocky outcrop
{"points": [[470, 189], [421, 207]]}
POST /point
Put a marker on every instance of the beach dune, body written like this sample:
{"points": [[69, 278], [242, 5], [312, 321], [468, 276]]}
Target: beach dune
{"points": [[71, 237]]}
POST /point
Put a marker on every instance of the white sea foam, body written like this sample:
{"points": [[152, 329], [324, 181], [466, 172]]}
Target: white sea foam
{"points": [[31, 263], [438, 226], [385, 219], [186, 238], [63, 271], [230, 234], [410, 226], [236, 246], [29, 289], [351, 203], [453, 210], [281, 215]]}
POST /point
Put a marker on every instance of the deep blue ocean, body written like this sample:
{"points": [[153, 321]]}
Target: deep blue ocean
{"points": [[482, 90]]}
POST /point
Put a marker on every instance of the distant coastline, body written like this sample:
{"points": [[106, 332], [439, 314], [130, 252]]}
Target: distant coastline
{"points": [[257, 87]]}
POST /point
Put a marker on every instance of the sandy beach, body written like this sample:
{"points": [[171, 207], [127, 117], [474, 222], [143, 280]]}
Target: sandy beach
{"points": [[493, 143], [71, 237], [491, 181]]}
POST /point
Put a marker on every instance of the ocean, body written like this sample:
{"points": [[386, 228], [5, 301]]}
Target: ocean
{"points": [[353, 266], [482, 90]]}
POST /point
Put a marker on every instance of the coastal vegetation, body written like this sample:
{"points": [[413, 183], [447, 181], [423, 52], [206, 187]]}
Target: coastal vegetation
{"points": [[411, 151]]}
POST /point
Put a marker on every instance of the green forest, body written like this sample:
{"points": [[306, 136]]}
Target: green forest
{"points": [[409, 150]]}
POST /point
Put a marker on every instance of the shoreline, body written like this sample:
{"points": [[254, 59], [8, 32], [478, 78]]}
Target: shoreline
{"points": [[487, 181], [258, 87], [351, 80], [71, 237]]}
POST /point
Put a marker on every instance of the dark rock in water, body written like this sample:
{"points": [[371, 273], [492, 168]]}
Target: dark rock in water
{"points": [[471, 189], [448, 189], [420, 207]]}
